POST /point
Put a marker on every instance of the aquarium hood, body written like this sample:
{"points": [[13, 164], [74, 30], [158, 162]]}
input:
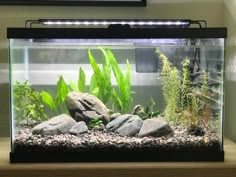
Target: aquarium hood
{"points": [[183, 23]]}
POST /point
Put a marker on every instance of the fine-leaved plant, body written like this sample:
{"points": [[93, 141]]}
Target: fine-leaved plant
{"points": [[27, 103], [170, 87], [186, 84]]}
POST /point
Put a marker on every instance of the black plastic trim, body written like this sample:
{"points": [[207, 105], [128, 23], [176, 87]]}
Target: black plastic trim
{"points": [[116, 32], [117, 157], [141, 3]]}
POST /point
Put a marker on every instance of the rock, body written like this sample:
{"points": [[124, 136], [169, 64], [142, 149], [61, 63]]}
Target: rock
{"points": [[118, 122], [79, 128], [131, 127], [57, 125], [114, 116], [137, 109], [85, 107], [196, 131], [155, 127]]}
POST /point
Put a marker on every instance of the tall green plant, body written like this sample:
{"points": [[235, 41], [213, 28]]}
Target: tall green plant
{"points": [[122, 96], [100, 83], [170, 87], [186, 84], [27, 103]]}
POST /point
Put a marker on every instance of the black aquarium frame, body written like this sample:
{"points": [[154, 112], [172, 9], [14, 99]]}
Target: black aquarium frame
{"points": [[141, 3], [116, 32]]}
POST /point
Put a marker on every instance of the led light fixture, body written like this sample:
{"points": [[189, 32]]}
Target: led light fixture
{"points": [[115, 22], [110, 22]]}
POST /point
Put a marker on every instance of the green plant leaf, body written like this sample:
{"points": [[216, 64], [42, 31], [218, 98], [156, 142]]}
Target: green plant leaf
{"points": [[127, 84], [82, 80], [146, 109], [93, 88], [117, 100], [62, 90], [48, 100], [73, 86], [98, 74]]}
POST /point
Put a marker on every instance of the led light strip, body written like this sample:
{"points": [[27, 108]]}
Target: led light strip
{"points": [[105, 23]]}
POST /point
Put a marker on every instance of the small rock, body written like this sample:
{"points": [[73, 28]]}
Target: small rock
{"points": [[85, 107], [57, 125], [114, 116], [155, 127], [137, 109], [196, 131], [118, 122], [131, 127], [79, 128]]}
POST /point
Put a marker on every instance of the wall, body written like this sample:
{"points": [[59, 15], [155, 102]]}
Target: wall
{"points": [[230, 84], [15, 16]]}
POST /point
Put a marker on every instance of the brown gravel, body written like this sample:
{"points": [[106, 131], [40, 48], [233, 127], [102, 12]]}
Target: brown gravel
{"points": [[105, 141]]}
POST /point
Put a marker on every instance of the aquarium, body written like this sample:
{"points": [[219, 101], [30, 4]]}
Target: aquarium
{"points": [[116, 94]]}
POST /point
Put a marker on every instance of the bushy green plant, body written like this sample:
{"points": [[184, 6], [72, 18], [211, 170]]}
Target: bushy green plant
{"points": [[27, 103], [57, 103], [170, 87]]}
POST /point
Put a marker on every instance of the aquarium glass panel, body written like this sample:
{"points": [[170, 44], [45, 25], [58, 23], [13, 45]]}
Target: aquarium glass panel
{"points": [[120, 95]]}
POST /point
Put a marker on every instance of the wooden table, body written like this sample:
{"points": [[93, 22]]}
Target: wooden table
{"points": [[157, 169]]}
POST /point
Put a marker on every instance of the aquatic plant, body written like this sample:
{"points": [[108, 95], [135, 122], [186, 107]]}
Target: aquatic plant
{"points": [[122, 97], [186, 84], [95, 123], [57, 103], [80, 86], [100, 84], [170, 86], [205, 93], [27, 103], [146, 112]]}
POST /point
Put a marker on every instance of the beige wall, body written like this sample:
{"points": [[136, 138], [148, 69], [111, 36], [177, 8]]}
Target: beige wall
{"points": [[15, 16], [230, 84]]}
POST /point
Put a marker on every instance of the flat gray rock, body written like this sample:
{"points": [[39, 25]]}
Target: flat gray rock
{"points": [[131, 127], [114, 116], [57, 125], [118, 122], [85, 107], [155, 127], [79, 128]]}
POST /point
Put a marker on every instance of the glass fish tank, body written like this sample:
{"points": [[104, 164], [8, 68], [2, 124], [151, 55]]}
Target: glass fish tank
{"points": [[118, 94]]}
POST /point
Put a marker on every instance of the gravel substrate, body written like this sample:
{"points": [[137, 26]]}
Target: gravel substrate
{"points": [[103, 141]]}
